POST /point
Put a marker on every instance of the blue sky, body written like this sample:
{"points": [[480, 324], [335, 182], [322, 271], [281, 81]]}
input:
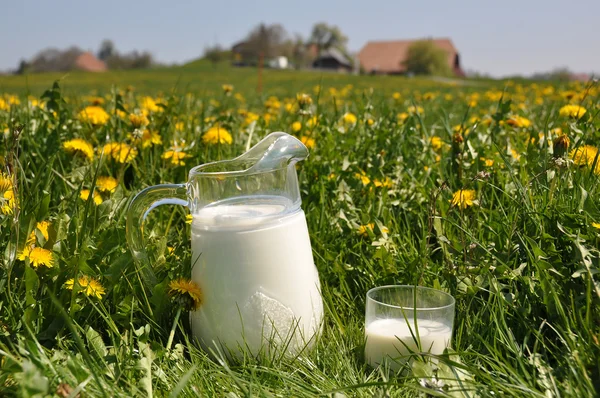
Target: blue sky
{"points": [[496, 37]]}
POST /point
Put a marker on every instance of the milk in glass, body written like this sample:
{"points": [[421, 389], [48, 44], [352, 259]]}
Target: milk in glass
{"points": [[397, 339]]}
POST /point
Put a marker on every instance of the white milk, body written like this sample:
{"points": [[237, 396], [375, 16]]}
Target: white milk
{"points": [[254, 265], [393, 338]]}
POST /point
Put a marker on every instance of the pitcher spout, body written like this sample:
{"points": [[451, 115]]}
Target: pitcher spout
{"points": [[275, 151]]}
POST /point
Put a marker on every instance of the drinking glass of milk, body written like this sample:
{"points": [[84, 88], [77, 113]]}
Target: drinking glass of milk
{"points": [[251, 252], [404, 320]]}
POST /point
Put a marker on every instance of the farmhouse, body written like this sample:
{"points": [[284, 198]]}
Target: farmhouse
{"points": [[387, 57], [333, 59], [88, 62]]}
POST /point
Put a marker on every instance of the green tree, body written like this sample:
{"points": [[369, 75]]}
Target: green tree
{"points": [[425, 58], [327, 36]]}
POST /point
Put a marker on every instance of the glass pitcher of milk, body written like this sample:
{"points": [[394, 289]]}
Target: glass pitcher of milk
{"points": [[251, 253]]}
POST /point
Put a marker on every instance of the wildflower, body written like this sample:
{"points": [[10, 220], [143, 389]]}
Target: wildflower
{"points": [[176, 155], [89, 286], [84, 194], [138, 120], [515, 155], [189, 218], [217, 135], [78, 145], [148, 105], [309, 142], [24, 254], [386, 183], [349, 119], [429, 96], [584, 155], [186, 293], [574, 111], [401, 117], [363, 230], [179, 126], [106, 184], [43, 226], [415, 110], [147, 138], [312, 122], [227, 88], [487, 162], [3, 105], [120, 152], [8, 203], [94, 115], [518, 121], [370, 122], [384, 230], [463, 198], [396, 96], [304, 100], [363, 178], [596, 225], [95, 100], [40, 256], [296, 126], [436, 142], [561, 145]]}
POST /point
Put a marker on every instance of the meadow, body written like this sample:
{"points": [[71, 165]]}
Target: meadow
{"points": [[486, 190]]}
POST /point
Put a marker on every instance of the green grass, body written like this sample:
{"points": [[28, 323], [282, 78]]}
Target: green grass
{"points": [[522, 261]]}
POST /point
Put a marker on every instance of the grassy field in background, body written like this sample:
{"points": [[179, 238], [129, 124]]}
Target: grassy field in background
{"points": [[486, 190]]}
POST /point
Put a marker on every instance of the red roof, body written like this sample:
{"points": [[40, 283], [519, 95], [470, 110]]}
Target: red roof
{"points": [[389, 56], [88, 62]]}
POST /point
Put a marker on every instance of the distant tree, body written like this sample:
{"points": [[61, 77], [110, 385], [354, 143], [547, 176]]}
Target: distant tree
{"points": [[264, 39], [23, 68], [54, 60], [326, 36], [107, 50], [214, 54], [425, 58], [132, 60]]}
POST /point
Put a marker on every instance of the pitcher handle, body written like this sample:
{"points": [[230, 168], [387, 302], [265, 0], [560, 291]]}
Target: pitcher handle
{"points": [[138, 210]]}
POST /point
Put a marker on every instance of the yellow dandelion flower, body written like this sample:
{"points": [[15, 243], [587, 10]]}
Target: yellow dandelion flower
{"points": [[309, 142], [186, 293], [148, 105], [217, 135], [250, 117], [370, 122], [8, 204], [464, 198], [227, 88], [584, 155], [385, 183], [596, 225], [397, 96], [94, 115], [363, 230], [415, 110], [138, 120], [312, 122], [518, 121], [401, 117], [363, 178], [176, 157], [436, 142], [43, 226], [304, 100], [488, 162], [24, 254], [574, 111], [148, 138], [120, 152], [89, 286], [4, 106], [78, 145], [349, 119], [296, 126], [40, 256], [189, 218], [106, 184], [84, 194]]}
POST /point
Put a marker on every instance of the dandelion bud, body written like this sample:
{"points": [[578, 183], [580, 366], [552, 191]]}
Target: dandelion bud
{"points": [[561, 145]]}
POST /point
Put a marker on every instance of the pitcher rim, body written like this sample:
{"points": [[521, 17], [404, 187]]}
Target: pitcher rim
{"points": [[195, 170]]}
